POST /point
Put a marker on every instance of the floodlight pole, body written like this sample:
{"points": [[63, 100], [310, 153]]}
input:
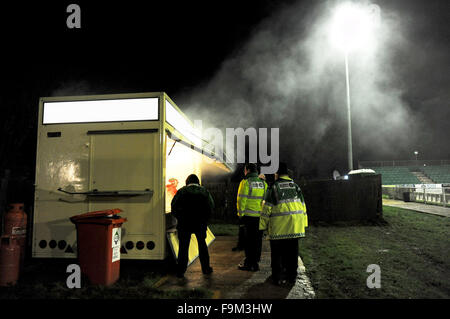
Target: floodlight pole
{"points": [[349, 116]]}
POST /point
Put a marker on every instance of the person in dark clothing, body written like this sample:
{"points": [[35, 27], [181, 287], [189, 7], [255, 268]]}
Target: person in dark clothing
{"points": [[241, 237], [192, 206]]}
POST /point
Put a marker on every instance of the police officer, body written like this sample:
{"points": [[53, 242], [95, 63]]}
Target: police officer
{"points": [[284, 218], [241, 235], [192, 206], [249, 205]]}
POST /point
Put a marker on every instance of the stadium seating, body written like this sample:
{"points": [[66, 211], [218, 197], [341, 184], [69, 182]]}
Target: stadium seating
{"points": [[439, 173], [396, 175]]}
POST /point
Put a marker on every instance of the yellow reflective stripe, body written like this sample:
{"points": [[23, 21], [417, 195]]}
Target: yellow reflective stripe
{"points": [[250, 212], [251, 197], [287, 226], [289, 207], [287, 236], [287, 213], [290, 200]]}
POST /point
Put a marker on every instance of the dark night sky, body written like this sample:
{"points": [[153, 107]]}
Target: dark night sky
{"points": [[137, 46]]}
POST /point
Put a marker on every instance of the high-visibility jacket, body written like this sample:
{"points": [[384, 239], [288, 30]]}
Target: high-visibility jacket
{"points": [[251, 193], [284, 212]]}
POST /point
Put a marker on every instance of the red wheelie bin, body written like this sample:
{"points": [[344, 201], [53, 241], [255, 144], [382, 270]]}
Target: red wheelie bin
{"points": [[98, 242]]}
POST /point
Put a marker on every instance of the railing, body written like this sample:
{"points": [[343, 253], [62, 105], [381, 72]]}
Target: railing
{"points": [[366, 164], [224, 195], [434, 196]]}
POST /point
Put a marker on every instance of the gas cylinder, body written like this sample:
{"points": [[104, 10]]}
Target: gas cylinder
{"points": [[16, 225], [9, 260]]}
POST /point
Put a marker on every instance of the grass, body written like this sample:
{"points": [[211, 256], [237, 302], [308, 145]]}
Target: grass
{"points": [[46, 279], [219, 228], [412, 250]]}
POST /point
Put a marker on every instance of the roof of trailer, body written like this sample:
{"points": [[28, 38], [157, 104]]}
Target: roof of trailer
{"points": [[183, 131]]}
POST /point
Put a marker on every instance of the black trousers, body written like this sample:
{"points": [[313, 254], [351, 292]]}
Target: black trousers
{"points": [[253, 240], [284, 258], [184, 238], [241, 235]]}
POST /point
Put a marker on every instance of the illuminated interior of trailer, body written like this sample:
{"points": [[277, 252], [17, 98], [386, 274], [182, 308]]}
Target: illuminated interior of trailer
{"points": [[184, 157], [181, 161]]}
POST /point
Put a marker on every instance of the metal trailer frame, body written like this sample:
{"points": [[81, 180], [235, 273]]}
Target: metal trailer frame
{"points": [[90, 166]]}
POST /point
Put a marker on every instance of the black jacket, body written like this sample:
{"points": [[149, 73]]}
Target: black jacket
{"points": [[192, 206]]}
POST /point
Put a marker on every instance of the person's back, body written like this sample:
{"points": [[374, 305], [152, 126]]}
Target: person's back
{"points": [[286, 196], [284, 218], [250, 195], [192, 207]]}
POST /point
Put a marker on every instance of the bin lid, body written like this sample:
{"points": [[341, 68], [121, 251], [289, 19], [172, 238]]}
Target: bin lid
{"points": [[100, 214]]}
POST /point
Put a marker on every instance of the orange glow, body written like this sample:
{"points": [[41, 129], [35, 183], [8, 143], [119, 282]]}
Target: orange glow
{"points": [[172, 187]]}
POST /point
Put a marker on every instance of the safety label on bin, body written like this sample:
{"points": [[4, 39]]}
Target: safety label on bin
{"points": [[116, 244], [18, 231]]}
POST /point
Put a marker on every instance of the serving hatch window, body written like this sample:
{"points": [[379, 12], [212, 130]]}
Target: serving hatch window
{"points": [[115, 110], [181, 161]]}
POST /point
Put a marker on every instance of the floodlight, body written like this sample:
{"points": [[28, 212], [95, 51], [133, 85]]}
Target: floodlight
{"points": [[352, 26]]}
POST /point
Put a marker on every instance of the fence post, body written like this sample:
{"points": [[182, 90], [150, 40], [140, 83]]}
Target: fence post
{"points": [[443, 195]]}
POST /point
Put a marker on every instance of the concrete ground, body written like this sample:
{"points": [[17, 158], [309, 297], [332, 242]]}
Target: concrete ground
{"points": [[228, 282], [419, 207]]}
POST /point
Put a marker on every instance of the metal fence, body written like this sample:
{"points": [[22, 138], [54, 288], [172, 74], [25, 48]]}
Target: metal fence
{"points": [[440, 196], [224, 195], [366, 164]]}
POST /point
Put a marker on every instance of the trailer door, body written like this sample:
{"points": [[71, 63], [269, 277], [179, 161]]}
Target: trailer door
{"points": [[128, 161]]}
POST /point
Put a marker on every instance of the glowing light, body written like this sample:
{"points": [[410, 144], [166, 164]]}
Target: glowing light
{"points": [[182, 125], [181, 162], [353, 25], [143, 109]]}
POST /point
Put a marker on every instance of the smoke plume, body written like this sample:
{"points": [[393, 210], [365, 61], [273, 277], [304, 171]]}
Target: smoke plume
{"points": [[288, 76]]}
